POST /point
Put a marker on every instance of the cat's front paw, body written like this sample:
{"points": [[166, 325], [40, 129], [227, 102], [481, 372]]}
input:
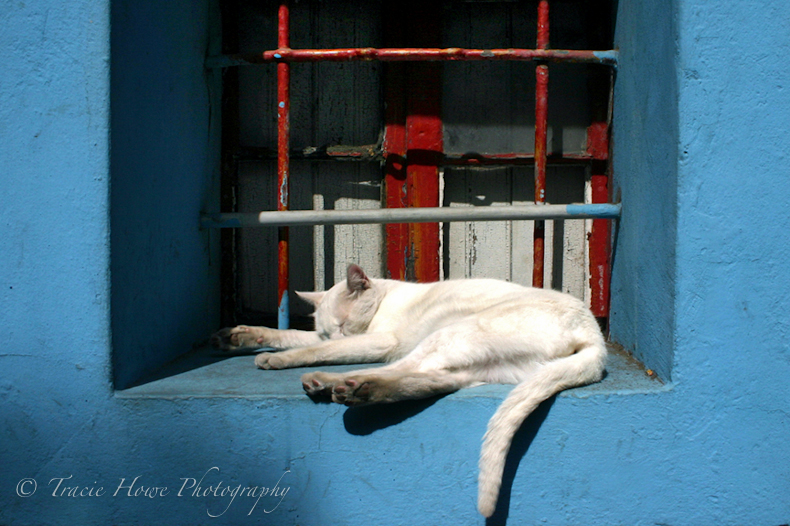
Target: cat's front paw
{"points": [[270, 360], [241, 337]]}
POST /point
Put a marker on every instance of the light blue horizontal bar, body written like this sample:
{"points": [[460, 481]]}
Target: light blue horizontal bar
{"points": [[411, 215], [595, 211], [608, 56]]}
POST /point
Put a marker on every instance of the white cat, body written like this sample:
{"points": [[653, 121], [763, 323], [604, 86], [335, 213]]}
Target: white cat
{"points": [[438, 338]]}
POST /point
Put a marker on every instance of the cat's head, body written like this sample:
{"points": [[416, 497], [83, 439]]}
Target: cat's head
{"points": [[348, 307]]}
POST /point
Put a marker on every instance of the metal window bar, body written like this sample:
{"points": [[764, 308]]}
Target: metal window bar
{"points": [[606, 57], [541, 131], [283, 165], [534, 212], [599, 211]]}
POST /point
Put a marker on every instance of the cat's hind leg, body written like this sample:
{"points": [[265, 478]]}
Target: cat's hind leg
{"points": [[439, 364], [321, 384], [373, 387]]}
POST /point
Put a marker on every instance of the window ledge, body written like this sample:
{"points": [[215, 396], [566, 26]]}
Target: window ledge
{"points": [[206, 373]]}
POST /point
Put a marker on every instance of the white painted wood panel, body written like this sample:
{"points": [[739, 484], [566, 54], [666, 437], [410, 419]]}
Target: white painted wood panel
{"points": [[503, 249]]}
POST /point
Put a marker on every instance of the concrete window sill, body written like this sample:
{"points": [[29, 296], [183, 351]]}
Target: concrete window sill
{"points": [[206, 373]]}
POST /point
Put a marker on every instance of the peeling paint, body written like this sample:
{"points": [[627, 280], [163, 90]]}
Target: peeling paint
{"points": [[283, 312], [606, 57]]}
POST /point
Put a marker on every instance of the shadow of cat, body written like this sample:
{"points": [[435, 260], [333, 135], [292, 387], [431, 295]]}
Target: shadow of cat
{"points": [[365, 420], [518, 449]]}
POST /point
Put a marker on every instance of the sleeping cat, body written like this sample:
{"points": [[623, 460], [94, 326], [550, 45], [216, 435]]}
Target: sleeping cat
{"points": [[438, 338]]}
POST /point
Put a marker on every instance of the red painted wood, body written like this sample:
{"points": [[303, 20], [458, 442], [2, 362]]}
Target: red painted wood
{"points": [[598, 149], [599, 251], [397, 235], [424, 143], [598, 141], [394, 146], [413, 140]]}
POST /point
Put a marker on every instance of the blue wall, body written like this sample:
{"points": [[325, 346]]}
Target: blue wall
{"points": [[700, 296], [645, 149], [165, 170]]}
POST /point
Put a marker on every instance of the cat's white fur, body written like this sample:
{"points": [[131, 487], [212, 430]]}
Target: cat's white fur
{"points": [[438, 338]]}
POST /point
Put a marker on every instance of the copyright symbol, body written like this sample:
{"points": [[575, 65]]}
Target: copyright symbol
{"points": [[26, 487]]}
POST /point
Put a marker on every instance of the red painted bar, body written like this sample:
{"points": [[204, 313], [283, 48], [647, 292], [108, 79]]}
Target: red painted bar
{"points": [[541, 131], [283, 166], [285, 54], [543, 25], [598, 148]]}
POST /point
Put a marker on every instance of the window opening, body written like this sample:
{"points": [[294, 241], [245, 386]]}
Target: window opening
{"points": [[412, 151]]}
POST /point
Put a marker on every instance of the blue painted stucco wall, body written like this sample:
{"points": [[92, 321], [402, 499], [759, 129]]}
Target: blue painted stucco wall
{"points": [[700, 294], [645, 146], [164, 167]]}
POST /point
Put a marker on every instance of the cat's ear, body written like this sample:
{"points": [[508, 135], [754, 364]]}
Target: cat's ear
{"points": [[357, 280], [311, 297]]}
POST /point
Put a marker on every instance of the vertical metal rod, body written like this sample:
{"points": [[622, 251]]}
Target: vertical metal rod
{"points": [[541, 118], [283, 165]]}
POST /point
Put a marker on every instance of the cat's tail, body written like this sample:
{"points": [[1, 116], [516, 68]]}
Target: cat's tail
{"points": [[584, 367]]}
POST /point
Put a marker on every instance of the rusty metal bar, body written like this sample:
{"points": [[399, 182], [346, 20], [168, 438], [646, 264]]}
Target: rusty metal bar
{"points": [[283, 166], [411, 215], [285, 54], [541, 131], [387, 152]]}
